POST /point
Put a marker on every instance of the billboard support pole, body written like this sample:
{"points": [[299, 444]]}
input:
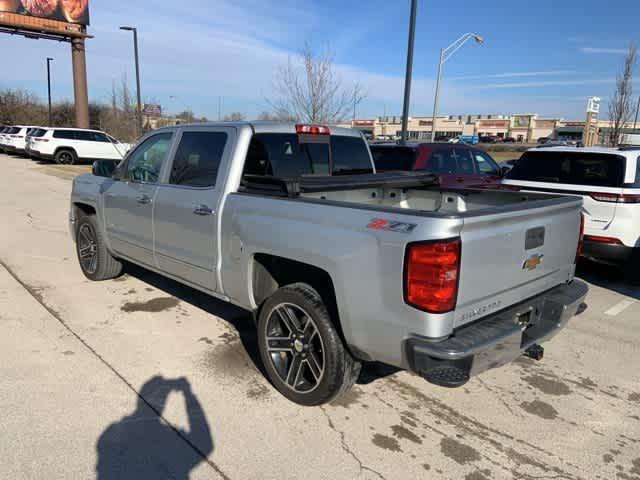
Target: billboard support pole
{"points": [[80, 91]]}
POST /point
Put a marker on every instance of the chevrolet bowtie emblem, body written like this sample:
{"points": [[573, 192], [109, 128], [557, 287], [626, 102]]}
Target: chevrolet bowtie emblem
{"points": [[532, 262]]}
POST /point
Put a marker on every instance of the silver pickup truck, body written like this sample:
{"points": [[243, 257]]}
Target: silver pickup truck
{"points": [[337, 264]]}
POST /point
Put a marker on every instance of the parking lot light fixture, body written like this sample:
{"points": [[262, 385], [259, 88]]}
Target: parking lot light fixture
{"points": [[446, 54], [139, 97]]}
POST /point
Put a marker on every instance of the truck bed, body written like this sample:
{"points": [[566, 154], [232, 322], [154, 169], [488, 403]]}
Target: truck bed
{"points": [[418, 192]]}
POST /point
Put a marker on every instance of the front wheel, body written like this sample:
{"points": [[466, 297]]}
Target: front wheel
{"points": [[301, 349], [95, 260]]}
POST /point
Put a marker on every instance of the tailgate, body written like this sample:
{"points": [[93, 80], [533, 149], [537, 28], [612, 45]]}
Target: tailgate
{"points": [[509, 257], [599, 204]]}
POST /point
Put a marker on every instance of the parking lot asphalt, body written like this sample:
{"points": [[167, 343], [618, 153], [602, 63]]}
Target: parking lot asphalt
{"points": [[143, 378]]}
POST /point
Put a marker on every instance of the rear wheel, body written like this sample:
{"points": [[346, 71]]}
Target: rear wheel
{"points": [[95, 260], [301, 349], [66, 157]]}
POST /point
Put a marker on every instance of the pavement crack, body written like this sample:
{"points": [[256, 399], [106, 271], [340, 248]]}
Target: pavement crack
{"points": [[37, 296], [346, 448]]}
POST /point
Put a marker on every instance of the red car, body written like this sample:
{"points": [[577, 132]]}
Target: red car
{"points": [[457, 164]]}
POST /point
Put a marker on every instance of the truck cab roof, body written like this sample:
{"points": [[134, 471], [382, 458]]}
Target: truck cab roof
{"points": [[265, 126]]}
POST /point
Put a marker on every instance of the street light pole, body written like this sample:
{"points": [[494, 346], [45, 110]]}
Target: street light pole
{"points": [[436, 97], [49, 60], [409, 72], [445, 54], [635, 121], [139, 96]]}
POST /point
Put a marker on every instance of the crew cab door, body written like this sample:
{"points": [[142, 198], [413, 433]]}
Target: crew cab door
{"points": [[128, 202], [186, 206]]}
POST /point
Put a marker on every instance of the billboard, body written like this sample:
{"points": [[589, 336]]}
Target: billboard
{"points": [[72, 11], [152, 110]]}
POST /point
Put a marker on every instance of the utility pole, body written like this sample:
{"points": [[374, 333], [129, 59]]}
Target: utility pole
{"points": [[409, 72], [49, 60], [635, 121]]}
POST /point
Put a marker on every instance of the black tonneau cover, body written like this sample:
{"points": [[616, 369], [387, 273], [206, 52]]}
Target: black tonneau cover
{"points": [[294, 186]]}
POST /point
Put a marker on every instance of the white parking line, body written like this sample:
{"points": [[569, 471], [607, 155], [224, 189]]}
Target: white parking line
{"points": [[619, 307]]}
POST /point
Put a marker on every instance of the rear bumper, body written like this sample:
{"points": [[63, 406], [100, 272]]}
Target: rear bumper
{"points": [[495, 340], [610, 253]]}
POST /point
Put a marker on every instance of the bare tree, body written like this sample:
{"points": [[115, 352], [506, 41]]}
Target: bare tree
{"points": [[620, 105], [308, 90], [234, 117]]}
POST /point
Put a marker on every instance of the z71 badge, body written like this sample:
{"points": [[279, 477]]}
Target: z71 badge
{"points": [[391, 226]]}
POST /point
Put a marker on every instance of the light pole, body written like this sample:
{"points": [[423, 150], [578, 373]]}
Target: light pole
{"points": [[49, 60], [409, 72], [635, 121], [445, 54], [139, 106]]}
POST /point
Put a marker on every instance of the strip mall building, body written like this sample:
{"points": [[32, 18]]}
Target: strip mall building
{"points": [[524, 128]]}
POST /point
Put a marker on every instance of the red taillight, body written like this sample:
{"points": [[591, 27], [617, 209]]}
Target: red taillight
{"points": [[601, 239], [312, 129], [615, 198], [431, 275], [580, 238]]}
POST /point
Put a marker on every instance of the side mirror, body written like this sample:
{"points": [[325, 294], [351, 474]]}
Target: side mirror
{"points": [[504, 171], [104, 168]]}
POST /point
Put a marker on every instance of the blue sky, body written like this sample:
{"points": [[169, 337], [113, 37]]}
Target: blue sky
{"points": [[545, 57]]}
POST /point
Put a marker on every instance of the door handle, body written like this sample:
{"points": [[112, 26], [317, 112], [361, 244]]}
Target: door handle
{"points": [[460, 179], [143, 199], [202, 210]]}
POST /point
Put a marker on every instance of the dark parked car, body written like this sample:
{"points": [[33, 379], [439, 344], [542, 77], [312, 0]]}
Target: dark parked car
{"points": [[509, 140], [456, 164], [489, 139]]}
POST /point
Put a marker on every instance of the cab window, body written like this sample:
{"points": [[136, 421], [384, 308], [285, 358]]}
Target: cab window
{"points": [[145, 163]]}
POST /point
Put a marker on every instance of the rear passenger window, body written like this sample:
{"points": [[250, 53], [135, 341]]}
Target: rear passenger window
{"points": [[442, 161], [64, 134], [465, 161], [198, 158]]}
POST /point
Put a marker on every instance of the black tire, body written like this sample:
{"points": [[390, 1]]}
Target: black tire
{"points": [[66, 156], [324, 348], [102, 265]]}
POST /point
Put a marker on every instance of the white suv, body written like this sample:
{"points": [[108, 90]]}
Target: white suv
{"points": [[608, 179], [74, 145]]}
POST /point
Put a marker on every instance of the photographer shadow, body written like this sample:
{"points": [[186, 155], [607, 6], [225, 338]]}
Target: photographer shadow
{"points": [[144, 446]]}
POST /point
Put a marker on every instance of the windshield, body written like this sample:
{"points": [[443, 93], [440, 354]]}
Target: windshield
{"points": [[573, 168], [393, 158], [285, 155]]}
